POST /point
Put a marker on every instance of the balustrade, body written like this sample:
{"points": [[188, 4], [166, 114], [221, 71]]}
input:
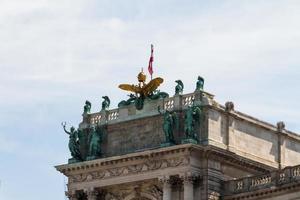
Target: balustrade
{"points": [[285, 176]]}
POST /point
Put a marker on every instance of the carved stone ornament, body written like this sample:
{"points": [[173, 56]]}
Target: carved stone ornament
{"points": [[149, 165], [164, 179], [229, 106], [136, 191], [280, 126], [189, 177], [92, 194]]}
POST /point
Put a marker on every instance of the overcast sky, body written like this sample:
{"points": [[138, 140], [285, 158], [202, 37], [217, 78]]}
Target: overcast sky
{"points": [[55, 54]]}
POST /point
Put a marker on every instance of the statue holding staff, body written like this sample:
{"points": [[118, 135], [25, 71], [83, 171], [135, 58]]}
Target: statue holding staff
{"points": [[73, 142]]}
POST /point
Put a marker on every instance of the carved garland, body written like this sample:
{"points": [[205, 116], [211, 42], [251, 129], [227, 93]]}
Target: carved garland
{"points": [[149, 165]]}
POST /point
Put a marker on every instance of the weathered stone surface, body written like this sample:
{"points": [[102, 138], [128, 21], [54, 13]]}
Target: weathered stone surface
{"points": [[231, 146]]}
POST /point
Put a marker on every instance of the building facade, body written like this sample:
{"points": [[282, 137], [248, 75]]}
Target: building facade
{"points": [[183, 147]]}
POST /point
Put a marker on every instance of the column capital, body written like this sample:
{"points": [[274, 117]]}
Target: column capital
{"points": [[92, 194], [164, 179], [189, 177], [167, 187]]}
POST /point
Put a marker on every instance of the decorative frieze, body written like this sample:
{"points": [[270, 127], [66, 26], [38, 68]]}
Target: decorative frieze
{"points": [[149, 165]]}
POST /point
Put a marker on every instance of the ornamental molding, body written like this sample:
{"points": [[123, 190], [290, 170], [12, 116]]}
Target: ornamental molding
{"points": [[148, 161], [149, 165], [153, 192], [232, 158], [150, 156]]}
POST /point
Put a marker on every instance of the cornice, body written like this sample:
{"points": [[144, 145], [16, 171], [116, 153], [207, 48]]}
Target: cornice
{"points": [[166, 153], [66, 169]]}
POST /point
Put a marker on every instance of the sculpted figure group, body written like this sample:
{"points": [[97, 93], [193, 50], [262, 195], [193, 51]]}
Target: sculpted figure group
{"points": [[88, 105], [77, 141], [73, 142], [86, 144]]}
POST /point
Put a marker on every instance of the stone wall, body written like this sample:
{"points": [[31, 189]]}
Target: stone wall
{"points": [[252, 138], [132, 130], [135, 135]]}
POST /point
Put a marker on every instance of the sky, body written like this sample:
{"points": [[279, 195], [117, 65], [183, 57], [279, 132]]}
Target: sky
{"points": [[55, 54]]}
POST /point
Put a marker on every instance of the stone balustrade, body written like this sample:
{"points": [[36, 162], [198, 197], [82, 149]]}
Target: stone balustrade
{"points": [[187, 100], [171, 103], [276, 178]]}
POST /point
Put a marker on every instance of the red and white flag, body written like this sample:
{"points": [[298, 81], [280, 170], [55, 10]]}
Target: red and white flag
{"points": [[150, 66]]}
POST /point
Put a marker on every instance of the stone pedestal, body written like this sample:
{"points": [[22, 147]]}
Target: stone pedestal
{"points": [[167, 187]]}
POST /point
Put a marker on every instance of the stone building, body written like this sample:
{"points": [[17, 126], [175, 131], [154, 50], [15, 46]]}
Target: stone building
{"points": [[230, 155]]}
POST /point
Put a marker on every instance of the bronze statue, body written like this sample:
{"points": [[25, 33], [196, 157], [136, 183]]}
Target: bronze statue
{"points": [[192, 116], [170, 122], [127, 102], [200, 84], [157, 94], [95, 143], [143, 89], [179, 87], [87, 107], [73, 142], [105, 103]]}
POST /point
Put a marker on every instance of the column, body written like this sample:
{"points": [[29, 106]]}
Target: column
{"points": [[188, 187], [167, 187], [92, 194]]}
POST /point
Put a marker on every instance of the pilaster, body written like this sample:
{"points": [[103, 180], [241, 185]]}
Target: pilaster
{"points": [[167, 187], [188, 180]]}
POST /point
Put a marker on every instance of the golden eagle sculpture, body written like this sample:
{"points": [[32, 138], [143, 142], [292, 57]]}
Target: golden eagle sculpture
{"points": [[142, 90]]}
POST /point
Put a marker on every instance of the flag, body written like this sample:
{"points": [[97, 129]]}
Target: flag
{"points": [[150, 66]]}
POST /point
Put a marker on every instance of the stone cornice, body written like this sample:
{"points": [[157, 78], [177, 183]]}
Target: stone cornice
{"points": [[231, 158], [112, 161], [254, 121], [166, 154]]}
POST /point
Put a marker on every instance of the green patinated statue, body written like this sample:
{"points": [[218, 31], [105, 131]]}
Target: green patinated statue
{"points": [[95, 142], [73, 142], [105, 103], [179, 87], [127, 102], [87, 107], [192, 116], [170, 122], [200, 84], [157, 94]]}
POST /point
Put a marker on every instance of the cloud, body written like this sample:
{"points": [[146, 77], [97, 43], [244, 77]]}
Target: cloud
{"points": [[7, 145]]}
